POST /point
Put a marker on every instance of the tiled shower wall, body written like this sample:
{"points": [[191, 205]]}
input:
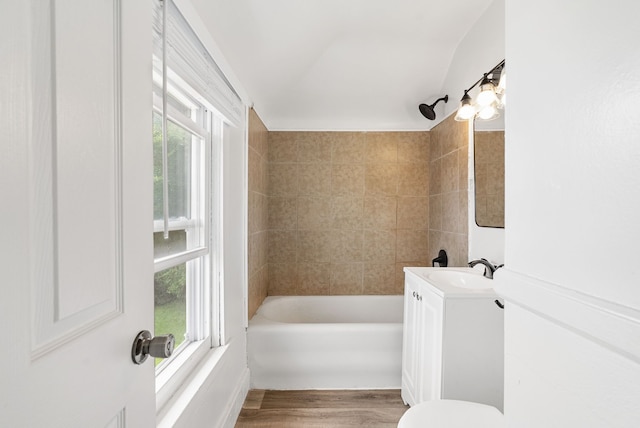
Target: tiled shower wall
{"points": [[344, 212], [347, 211], [257, 212], [448, 193]]}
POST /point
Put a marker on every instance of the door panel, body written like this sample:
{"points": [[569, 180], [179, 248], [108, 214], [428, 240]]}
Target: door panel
{"points": [[79, 165], [77, 155]]}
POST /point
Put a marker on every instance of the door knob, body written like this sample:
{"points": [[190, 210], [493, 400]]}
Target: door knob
{"points": [[158, 347]]}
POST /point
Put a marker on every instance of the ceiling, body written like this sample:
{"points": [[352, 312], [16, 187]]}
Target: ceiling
{"points": [[340, 64]]}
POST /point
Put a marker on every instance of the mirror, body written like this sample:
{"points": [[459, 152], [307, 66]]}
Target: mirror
{"points": [[488, 148]]}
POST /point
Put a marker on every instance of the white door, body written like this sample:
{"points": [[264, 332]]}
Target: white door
{"points": [[76, 208]]}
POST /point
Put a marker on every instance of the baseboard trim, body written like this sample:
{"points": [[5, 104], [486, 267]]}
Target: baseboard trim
{"points": [[614, 326], [235, 405]]}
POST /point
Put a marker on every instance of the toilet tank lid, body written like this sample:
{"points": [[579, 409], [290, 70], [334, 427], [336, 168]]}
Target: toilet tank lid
{"points": [[451, 414]]}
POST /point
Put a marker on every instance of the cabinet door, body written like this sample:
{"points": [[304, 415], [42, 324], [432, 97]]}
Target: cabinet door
{"points": [[410, 340], [430, 339]]}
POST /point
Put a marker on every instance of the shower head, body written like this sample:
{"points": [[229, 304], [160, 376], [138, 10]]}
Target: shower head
{"points": [[428, 110]]}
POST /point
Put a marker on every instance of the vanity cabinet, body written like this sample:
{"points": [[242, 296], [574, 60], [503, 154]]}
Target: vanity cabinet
{"points": [[453, 343]]}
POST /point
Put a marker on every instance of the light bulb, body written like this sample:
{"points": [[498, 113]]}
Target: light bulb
{"points": [[466, 110], [488, 112], [487, 95]]}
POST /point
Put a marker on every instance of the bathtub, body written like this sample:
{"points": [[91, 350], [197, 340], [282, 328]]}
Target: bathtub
{"points": [[326, 342]]}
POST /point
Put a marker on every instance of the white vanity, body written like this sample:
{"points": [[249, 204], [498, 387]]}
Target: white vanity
{"points": [[453, 337]]}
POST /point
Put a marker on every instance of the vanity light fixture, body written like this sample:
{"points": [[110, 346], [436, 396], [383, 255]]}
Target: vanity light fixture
{"points": [[489, 100]]}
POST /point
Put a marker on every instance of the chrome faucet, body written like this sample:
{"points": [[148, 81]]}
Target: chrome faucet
{"points": [[489, 268]]}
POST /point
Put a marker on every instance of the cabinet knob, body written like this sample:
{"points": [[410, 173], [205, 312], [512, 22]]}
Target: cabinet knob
{"points": [[414, 294]]}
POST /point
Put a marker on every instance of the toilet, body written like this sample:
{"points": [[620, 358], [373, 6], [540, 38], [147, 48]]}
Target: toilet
{"points": [[451, 414]]}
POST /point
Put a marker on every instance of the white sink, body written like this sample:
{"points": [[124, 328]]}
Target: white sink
{"points": [[471, 279]]}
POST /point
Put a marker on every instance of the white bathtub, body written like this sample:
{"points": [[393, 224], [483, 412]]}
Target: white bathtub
{"points": [[326, 342]]}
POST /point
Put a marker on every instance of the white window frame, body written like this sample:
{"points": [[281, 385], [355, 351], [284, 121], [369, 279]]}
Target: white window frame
{"points": [[203, 302], [201, 72]]}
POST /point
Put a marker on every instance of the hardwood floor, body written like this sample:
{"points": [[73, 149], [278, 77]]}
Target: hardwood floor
{"points": [[321, 408]]}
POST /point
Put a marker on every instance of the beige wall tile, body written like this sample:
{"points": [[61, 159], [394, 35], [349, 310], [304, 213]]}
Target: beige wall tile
{"points": [[346, 278], [413, 213], [379, 278], [263, 250], [454, 135], [463, 207], [347, 213], [283, 147], [462, 243], [451, 213], [314, 278], [314, 147], [255, 171], [435, 145], [380, 212], [412, 245], [257, 251], [413, 147], [413, 179], [314, 246], [449, 173], [346, 246], [253, 262], [253, 295], [264, 282], [347, 180], [381, 179], [381, 147], [253, 212], [435, 212], [258, 134], [257, 213], [283, 213], [347, 147], [282, 246], [314, 179], [314, 213], [436, 243], [265, 176], [463, 169], [283, 279], [380, 246], [283, 179], [435, 177]]}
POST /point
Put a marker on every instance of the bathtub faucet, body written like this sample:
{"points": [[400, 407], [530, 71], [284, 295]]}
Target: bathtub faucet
{"points": [[442, 259], [489, 268]]}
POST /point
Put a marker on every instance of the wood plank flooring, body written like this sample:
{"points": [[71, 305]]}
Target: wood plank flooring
{"points": [[321, 409]]}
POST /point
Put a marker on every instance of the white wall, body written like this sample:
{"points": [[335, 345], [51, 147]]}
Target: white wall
{"points": [[572, 209], [481, 49]]}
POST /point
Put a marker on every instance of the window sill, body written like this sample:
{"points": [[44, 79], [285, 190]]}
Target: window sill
{"points": [[171, 378], [175, 401]]}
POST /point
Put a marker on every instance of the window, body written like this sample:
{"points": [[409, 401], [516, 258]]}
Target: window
{"points": [[182, 241], [194, 105]]}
